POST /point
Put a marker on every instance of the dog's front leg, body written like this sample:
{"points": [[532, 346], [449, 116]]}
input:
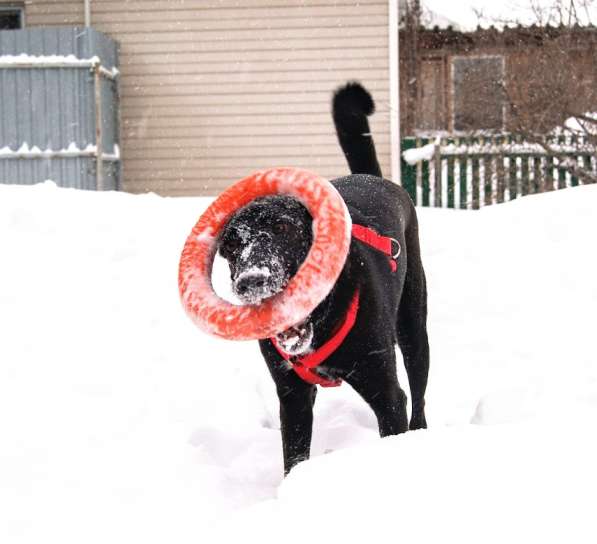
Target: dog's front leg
{"points": [[296, 407], [296, 421]]}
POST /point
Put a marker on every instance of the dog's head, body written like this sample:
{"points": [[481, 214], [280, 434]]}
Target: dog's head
{"points": [[265, 243]]}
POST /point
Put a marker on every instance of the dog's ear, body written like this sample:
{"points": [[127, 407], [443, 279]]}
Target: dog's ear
{"points": [[224, 243]]}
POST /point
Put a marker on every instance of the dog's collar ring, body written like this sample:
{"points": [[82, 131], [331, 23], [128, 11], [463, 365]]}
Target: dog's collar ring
{"points": [[398, 248], [304, 292]]}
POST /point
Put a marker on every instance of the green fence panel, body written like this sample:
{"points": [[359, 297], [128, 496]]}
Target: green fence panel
{"points": [[587, 165], [438, 181], [475, 196], [512, 178], [538, 181], [463, 167], [425, 182], [500, 172], [574, 179], [592, 162], [561, 178], [451, 169], [488, 180], [561, 171], [512, 173], [525, 176], [549, 177], [408, 173]]}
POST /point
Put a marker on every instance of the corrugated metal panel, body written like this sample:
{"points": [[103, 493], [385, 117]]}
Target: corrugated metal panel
{"points": [[54, 108], [77, 172]]}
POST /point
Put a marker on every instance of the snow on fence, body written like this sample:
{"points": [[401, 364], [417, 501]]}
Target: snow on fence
{"points": [[470, 172], [59, 107]]}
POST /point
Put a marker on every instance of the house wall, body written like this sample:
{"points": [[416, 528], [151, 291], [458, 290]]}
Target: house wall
{"points": [[53, 12], [212, 91], [549, 74]]}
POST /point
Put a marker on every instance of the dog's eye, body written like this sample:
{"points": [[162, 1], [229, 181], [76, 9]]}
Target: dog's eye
{"points": [[231, 244], [281, 228]]}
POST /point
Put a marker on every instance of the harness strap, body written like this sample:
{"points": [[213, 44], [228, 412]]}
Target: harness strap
{"points": [[377, 241], [304, 365]]}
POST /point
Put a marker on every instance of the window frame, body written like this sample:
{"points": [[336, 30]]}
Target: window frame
{"points": [[14, 7]]}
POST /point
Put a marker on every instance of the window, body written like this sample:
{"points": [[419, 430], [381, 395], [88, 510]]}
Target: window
{"points": [[11, 17], [477, 93]]}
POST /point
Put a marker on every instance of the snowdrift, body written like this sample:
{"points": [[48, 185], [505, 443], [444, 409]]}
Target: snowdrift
{"points": [[121, 422]]}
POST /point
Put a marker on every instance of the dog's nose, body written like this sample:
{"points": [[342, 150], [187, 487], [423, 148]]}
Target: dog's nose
{"points": [[251, 283]]}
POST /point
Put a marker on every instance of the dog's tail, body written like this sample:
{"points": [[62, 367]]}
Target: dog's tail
{"points": [[351, 105]]}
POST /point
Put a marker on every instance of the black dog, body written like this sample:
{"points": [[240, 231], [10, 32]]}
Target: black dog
{"points": [[373, 305]]}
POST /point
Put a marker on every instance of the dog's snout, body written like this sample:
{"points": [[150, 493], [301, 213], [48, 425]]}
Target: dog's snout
{"points": [[250, 283]]}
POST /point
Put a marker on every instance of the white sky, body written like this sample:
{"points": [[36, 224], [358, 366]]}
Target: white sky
{"points": [[462, 11]]}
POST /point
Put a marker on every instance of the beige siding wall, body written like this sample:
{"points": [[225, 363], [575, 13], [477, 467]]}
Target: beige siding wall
{"points": [[54, 12], [212, 90]]}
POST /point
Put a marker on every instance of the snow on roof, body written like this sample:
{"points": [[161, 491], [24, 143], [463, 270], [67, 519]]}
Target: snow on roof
{"points": [[430, 18], [469, 14], [582, 125]]}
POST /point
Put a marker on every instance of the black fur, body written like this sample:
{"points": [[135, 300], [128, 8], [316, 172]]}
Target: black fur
{"points": [[393, 306], [272, 234], [350, 107]]}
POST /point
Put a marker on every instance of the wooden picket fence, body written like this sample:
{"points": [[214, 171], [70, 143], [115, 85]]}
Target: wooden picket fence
{"points": [[471, 172]]}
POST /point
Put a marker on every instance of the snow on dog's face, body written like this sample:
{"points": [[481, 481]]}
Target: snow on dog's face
{"points": [[265, 243]]}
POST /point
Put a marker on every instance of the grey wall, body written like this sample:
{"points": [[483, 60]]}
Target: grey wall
{"points": [[54, 107]]}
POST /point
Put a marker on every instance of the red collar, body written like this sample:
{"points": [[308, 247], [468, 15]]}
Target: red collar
{"points": [[305, 366]]}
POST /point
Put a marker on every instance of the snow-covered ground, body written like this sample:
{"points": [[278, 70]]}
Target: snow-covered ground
{"points": [[120, 422]]}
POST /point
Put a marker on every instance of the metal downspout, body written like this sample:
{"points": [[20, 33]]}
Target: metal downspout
{"points": [[87, 13], [394, 61]]}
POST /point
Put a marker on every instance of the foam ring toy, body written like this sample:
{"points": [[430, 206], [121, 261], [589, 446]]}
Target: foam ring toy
{"points": [[306, 289]]}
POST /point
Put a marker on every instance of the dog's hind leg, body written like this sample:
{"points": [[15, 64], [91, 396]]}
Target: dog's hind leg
{"points": [[411, 328], [379, 387]]}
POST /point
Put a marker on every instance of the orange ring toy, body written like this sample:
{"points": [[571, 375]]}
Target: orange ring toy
{"points": [[309, 286]]}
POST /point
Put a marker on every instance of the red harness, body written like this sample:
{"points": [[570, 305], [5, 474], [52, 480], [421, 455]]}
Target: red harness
{"points": [[305, 366]]}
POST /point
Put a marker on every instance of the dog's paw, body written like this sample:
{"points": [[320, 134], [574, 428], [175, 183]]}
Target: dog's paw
{"points": [[418, 421]]}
